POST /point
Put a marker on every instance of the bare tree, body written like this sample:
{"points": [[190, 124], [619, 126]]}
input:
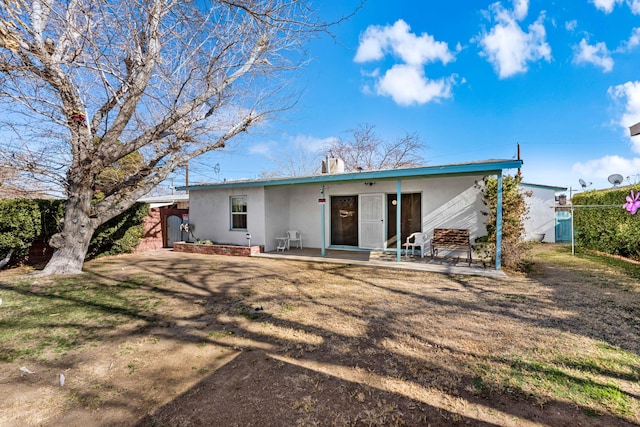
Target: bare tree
{"points": [[365, 150], [15, 185], [302, 158], [86, 83]]}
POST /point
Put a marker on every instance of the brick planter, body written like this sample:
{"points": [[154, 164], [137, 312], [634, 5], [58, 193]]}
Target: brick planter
{"points": [[217, 249]]}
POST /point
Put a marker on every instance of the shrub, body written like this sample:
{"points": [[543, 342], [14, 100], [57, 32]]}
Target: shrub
{"points": [[24, 220], [514, 250], [601, 223], [121, 234], [20, 224]]}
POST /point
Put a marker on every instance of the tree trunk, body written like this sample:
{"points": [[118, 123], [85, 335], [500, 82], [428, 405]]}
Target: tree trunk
{"points": [[6, 259], [72, 243]]}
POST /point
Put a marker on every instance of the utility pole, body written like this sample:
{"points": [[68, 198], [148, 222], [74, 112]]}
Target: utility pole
{"points": [[186, 179], [519, 159]]}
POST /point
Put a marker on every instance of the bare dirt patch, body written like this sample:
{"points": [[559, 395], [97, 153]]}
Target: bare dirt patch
{"points": [[245, 341]]}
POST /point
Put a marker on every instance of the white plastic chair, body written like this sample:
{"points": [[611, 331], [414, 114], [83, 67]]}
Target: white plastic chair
{"points": [[294, 236], [416, 240], [282, 244]]}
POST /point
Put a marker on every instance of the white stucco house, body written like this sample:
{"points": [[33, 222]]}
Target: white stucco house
{"points": [[540, 224], [337, 210]]}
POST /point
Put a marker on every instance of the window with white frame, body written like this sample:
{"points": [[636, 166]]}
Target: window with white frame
{"points": [[238, 212]]}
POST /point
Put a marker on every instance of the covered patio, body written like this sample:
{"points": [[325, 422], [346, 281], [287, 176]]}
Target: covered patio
{"points": [[388, 259]]}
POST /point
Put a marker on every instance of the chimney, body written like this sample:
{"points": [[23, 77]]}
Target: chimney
{"points": [[332, 165]]}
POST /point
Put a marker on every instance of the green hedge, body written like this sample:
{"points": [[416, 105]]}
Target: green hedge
{"points": [[601, 223], [24, 220], [121, 235]]}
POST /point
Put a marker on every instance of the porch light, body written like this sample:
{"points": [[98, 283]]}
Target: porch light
{"points": [[248, 239]]}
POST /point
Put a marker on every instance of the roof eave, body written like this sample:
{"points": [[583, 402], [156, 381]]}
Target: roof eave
{"points": [[487, 167]]}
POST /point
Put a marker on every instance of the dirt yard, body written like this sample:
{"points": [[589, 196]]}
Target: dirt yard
{"points": [[228, 341]]}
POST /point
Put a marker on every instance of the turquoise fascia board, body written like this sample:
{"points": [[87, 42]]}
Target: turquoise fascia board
{"points": [[490, 167], [543, 187]]}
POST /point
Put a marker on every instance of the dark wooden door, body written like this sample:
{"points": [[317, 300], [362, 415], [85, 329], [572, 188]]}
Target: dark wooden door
{"points": [[410, 217], [344, 220]]}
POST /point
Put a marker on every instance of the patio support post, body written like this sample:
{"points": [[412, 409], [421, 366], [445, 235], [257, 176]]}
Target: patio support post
{"points": [[322, 226], [499, 222], [398, 222]]}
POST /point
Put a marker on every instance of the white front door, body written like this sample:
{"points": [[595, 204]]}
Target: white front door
{"points": [[371, 221], [174, 234]]}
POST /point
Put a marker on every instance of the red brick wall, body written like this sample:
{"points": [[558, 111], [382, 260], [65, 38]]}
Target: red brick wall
{"points": [[217, 249], [154, 225], [153, 233]]}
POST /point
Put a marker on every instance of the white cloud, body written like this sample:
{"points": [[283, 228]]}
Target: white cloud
{"points": [[405, 82], [628, 94], [300, 142], [571, 25], [607, 5], [311, 143], [508, 48], [260, 148], [398, 40], [603, 167], [597, 54], [632, 43], [408, 85], [520, 9]]}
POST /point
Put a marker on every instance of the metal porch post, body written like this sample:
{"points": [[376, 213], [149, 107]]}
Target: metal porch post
{"points": [[322, 226], [499, 222], [398, 222]]}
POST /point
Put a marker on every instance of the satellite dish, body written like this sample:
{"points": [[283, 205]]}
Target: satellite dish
{"points": [[583, 184], [615, 179]]}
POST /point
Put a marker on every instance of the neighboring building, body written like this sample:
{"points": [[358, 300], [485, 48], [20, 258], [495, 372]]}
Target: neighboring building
{"points": [[540, 224], [162, 225], [345, 210], [177, 201]]}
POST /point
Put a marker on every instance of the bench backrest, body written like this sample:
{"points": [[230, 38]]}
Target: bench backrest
{"points": [[451, 236]]}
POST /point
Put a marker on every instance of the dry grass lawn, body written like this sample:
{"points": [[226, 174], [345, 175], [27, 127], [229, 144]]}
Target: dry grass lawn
{"points": [[176, 339]]}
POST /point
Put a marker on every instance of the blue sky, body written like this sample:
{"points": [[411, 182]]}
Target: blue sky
{"points": [[472, 79]]}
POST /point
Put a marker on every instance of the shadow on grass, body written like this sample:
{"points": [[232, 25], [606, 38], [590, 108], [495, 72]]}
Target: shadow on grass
{"points": [[344, 379]]}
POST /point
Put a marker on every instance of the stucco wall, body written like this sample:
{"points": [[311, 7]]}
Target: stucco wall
{"points": [[209, 210], [541, 218], [276, 215], [451, 202]]}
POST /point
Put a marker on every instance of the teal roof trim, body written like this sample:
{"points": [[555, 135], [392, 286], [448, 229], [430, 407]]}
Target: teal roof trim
{"points": [[544, 187], [485, 167]]}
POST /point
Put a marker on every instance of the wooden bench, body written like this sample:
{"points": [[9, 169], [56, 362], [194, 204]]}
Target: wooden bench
{"points": [[451, 238]]}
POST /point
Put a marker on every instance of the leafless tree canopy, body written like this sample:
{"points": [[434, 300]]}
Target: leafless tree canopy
{"points": [[86, 83], [15, 186], [365, 149]]}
